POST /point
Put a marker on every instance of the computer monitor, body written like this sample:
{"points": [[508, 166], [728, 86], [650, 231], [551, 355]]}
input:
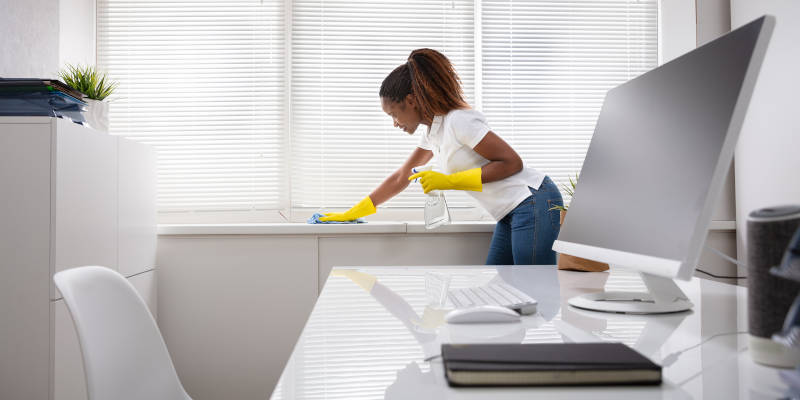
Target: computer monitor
{"points": [[661, 148]]}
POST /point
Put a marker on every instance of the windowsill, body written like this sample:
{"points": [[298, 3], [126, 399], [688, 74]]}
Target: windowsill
{"points": [[300, 228], [377, 227]]}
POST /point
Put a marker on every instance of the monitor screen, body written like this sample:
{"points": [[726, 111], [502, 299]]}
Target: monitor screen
{"points": [[660, 151]]}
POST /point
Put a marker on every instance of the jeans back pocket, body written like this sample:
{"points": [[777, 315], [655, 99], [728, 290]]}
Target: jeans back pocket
{"points": [[554, 213]]}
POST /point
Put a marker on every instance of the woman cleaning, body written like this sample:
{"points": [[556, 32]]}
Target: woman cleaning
{"points": [[426, 90]]}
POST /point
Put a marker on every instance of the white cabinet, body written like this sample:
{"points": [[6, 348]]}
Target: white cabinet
{"points": [[69, 196], [24, 262], [85, 197], [69, 380], [137, 208]]}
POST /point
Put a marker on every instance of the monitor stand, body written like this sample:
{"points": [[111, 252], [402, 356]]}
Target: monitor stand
{"points": [[664, 296]]}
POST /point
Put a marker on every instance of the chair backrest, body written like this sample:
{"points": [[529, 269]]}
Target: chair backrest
{"points": [[124, 355]]}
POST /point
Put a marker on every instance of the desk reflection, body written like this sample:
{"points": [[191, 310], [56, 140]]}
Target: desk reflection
{"points": [[375, 333], [430, 330]]}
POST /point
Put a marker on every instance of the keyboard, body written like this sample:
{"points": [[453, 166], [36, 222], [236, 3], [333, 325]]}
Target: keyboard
{"points": [[499, 294]]}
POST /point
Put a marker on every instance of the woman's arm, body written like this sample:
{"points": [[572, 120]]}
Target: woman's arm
{"points": [[398, 181], [503, 160], [391, 186]]}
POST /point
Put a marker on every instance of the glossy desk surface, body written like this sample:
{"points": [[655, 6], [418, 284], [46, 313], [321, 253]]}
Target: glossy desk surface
{"points": [[372, 329]]}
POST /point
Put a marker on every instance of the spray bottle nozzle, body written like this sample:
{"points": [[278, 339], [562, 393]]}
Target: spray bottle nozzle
{"points": [[421, 168]]}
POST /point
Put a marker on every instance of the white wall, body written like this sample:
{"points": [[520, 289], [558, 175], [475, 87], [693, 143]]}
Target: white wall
{"points": [[684, 25], [231, 309], [37, 37], [713, 19], [28, 38], [676, 29], [767, 156], [76, 32]]}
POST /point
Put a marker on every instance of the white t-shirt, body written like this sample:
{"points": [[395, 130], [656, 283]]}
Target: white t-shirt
{"points": [[452, 138]]}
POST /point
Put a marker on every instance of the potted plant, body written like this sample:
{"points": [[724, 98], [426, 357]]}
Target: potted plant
{"points": [[566, 261], [96, 87]]}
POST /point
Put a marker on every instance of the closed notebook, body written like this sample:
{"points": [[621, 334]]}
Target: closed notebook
{"points": [[547, 364]]}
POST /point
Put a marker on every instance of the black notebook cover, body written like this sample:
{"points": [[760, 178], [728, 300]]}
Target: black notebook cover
{"points": [[547, 364], [9, 83]]}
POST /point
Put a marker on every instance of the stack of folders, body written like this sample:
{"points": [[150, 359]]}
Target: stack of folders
{"points": [[547, 364], [29, 96]]}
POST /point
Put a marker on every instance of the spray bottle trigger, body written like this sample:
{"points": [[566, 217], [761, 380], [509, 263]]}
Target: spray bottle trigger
{"points": [[421, 168]]}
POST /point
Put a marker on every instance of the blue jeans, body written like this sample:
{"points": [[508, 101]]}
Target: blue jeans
{"points": [[525, 235]]}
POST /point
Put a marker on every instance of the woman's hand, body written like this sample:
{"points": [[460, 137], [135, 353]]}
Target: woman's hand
{"points": [[464, 180], [362, 209]]}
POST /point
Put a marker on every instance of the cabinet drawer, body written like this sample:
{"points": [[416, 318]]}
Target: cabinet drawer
{"points": [[137, 207], [69, 379], [86, 197]]}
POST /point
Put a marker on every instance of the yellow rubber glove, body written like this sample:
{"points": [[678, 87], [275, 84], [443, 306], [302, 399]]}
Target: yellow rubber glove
{"points": [[362, 209], [464, 180]]}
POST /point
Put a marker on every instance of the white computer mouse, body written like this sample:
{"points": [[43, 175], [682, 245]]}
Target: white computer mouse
{"points": [[481, 314]]}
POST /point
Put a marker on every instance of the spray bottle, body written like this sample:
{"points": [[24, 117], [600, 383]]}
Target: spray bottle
{"points": [[436, 212]]}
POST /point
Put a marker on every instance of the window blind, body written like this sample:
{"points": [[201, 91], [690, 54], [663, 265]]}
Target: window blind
{"points": [[343, 144], [547, 66], [247, 118], [203, 82]]}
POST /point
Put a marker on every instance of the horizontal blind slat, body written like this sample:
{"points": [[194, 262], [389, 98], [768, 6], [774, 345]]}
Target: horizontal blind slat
{"points": [[546, 68], [202, 82], [343, 145]]}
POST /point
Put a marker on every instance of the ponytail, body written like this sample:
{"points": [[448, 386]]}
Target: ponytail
{"points": [[430, 76]]}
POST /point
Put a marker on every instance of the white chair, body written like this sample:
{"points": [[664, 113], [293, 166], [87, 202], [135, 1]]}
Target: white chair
{"points": [[124, 355]]}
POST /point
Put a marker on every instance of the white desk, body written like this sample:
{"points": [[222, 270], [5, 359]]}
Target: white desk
{"points": [[361, 344]]}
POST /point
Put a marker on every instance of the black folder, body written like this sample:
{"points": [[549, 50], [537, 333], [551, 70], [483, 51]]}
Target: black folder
{"points": [[547, 364], [34, 84]]}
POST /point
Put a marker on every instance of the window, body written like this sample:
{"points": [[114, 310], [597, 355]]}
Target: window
{"points": [[343, 144], [203, 82], [265, 111], [547, 66]]}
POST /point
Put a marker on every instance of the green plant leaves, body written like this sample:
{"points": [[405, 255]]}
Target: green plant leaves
{"points": [[569, 190], [87, 80]]}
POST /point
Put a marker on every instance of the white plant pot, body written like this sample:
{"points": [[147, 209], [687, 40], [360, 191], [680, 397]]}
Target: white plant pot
{"points": [[97, 115]]}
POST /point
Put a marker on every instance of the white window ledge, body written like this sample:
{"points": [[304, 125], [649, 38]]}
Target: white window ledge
{"points": [[338, 229], [320, 229]]}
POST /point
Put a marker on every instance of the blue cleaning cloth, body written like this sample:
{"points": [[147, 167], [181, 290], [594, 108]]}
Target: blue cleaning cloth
{"points": [[315, 220]]}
